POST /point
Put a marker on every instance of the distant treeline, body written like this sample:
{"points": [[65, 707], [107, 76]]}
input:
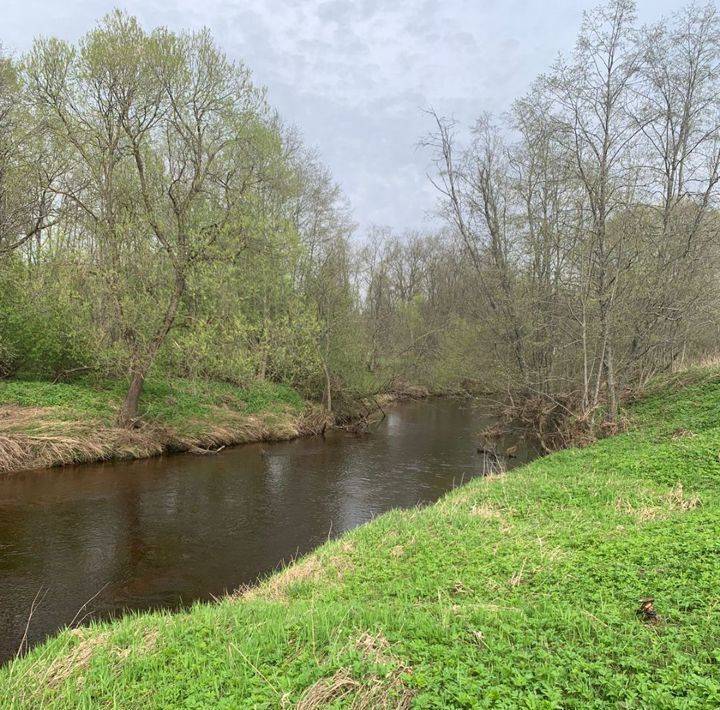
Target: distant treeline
{"points": [[156, 215]]}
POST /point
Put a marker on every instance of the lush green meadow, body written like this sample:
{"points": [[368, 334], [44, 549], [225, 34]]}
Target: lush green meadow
{"points": [[513, 591]]}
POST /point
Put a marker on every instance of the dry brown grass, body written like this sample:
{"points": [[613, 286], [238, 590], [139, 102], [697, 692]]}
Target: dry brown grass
{"points": [[708, 361], [662, 506], [76, 660], [310, 569], [678, 500], [375, 647], [373, 692], [518, 577], [683, 434], [19, 451], [226, 428], [327, 691], [276, 587], [549, 553], [485, 511], [150, 639], [488, 511], [34, 437], [315, 420], [48, 674], [472, 495], [235, 428]]}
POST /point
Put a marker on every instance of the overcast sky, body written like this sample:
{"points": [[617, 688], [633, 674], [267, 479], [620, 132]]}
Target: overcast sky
{"points": [[355, 75]]}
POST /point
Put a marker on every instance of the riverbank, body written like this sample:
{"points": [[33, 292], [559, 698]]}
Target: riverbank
{"points": [[513, 591], [44, 424]]}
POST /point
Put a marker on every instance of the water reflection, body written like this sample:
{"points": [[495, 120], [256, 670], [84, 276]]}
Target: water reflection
{"points": [[165, 532]]}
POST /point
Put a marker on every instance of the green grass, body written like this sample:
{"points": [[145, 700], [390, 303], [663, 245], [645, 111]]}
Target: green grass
{"points": [[512, 592], [81, 397], [173, 400], [165, 401]]}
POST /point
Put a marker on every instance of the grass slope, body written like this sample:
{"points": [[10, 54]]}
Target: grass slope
{"points": [[44, 424], [515, 591]]}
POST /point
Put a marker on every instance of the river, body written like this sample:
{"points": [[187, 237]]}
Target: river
{"points": [[95, 540]]}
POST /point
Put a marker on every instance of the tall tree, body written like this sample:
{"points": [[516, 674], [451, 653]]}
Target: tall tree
{"points": [[27, 170], [161, 134], [595, 97]]}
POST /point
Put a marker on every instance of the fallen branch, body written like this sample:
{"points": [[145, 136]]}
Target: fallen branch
{"points": [[199, 451]]}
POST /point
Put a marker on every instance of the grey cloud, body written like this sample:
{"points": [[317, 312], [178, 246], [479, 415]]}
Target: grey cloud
{"points": [[354, 75]]}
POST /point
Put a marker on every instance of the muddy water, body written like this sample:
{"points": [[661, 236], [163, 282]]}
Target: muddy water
{"points": [[166, 532]]}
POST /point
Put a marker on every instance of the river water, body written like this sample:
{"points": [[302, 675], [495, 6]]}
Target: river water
{"points": [[100, 539]]}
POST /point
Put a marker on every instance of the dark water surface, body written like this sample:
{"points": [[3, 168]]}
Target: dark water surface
{"points": [[166, 532]]}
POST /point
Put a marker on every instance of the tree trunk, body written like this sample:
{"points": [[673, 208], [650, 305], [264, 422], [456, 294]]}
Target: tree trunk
{"points": [[129, 411], [262, 367], [327, 394], [611, 386], [264, 346], [586, 369]]}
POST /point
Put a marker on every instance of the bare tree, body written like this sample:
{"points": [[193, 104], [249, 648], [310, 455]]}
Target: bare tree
{"points": [[476, 188], [589, 214], [27, 171]]}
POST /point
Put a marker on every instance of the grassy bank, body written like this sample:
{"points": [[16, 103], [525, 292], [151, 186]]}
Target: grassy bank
{"points": [[514, 591], [44, 424]]}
